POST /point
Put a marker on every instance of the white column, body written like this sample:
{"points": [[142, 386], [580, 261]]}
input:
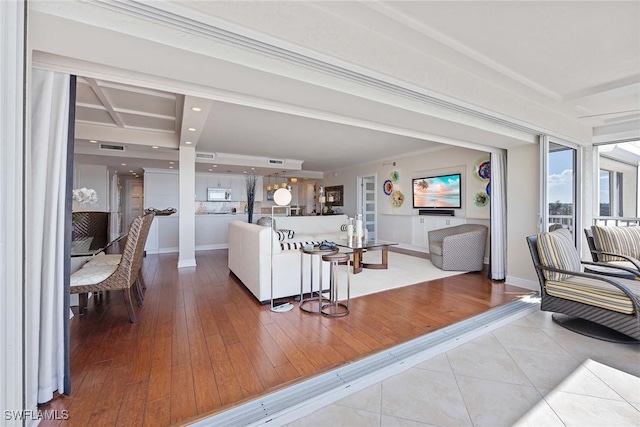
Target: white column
{"points": [[12, 81], [187, 220]]}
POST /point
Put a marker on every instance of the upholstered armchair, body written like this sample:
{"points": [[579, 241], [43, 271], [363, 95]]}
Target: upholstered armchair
{"points": [[459, 248]]}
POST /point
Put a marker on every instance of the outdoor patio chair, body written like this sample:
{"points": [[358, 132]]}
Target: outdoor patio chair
{"points": [[592, 304]]}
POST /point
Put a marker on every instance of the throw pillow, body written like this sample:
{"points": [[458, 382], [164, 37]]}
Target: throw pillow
{"points": [[265, 221], [556, 250], [296, 245], [285, 234], [617, 240]]}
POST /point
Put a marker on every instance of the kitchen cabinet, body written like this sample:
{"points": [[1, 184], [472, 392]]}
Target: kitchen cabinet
{"points": [[422, 224], [163, 235]]}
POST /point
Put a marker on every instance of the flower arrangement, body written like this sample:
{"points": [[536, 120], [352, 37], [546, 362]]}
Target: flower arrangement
{"points": [[85, 196]]}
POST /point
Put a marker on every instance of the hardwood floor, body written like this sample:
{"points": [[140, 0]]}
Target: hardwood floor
{"points": [[203, 344]]}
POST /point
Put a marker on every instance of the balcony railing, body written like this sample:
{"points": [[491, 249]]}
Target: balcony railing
{"points": [[616, 221], [566, 221]]}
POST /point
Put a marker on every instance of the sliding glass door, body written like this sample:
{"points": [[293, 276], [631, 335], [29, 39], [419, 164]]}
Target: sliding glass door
{"points": [[560, 195]]}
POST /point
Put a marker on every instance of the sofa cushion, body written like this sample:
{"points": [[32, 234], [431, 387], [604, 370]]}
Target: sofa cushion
{"points": [[435, 248], [103, 259], [556, 250], [331, 237], [618, 240], [595, 292], [91, 275]]}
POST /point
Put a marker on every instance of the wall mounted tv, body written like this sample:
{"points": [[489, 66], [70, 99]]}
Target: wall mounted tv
{"points": [[441, 191]]}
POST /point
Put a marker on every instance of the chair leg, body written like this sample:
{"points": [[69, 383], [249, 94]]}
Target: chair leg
{"points": [[127, 302], [82, 302], [141, 280], [138, 293]]}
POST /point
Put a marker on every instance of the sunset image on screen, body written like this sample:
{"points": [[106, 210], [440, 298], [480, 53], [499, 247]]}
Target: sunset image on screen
{"points": [[437, 192]]}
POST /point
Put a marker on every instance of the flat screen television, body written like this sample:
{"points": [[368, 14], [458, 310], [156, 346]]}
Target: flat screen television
{"points": [[441, 191]]}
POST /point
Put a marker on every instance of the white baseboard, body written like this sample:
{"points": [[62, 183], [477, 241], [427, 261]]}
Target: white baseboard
{"points": [[212, 247], [412, 248], [523, 283], [182, 263]]}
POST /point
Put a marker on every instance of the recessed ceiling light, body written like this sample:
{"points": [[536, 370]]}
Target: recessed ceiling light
{"points": [[170, 167], [188, 142], [123, 164], [132, 171], [210, 170], [93, 141], [244, 171], [155, 146], [215, 166], [171, 163], [191, 129], [198, 109]]}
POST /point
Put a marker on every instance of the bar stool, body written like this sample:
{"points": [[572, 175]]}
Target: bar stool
{"points": [[336, 308]]}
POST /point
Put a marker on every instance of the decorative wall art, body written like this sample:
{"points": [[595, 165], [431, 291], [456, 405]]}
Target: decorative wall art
{"points": [[387, 187], [481, 199], [397, 198], [394, 176], [482, 169], [334, 195]]}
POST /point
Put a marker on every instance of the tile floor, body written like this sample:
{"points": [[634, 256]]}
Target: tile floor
{"points": [[530, 372]]}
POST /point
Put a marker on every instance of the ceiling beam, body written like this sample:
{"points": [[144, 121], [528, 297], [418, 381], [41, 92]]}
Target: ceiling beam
{"points": [[126, 136]]}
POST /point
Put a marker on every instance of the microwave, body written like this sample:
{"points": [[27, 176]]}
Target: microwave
{"points": [[218, 194]]}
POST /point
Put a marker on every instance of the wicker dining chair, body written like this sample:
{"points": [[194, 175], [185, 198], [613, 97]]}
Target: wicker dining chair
{"points": [[122, 276], [114, 259]]}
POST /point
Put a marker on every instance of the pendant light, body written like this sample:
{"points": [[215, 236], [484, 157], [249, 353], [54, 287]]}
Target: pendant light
{"points": [[269, 183], [275, 184], [284, 181]]}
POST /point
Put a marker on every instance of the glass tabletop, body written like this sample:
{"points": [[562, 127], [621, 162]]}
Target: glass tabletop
{"points": [[81, 246], [356, 243]]}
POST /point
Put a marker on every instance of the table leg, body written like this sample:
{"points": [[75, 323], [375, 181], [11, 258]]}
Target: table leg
{"points": [[385, 259], [357, 260]]}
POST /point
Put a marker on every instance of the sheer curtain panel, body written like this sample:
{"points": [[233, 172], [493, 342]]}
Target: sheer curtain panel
{"points": [[498, 252], [45, 261]]}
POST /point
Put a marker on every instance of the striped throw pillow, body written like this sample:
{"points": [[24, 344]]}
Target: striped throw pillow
{"points": [[617, 240], [285, 234], [296, 245], [556, 250]]}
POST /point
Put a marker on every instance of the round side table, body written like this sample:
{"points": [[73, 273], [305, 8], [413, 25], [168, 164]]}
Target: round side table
{"points": [[312, 304], [334, 307]]}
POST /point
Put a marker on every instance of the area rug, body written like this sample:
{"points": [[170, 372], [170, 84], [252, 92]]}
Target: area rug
{"points": [[404, 270]]}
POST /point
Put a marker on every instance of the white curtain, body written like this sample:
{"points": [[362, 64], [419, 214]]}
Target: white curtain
{"points": [[498, 257], [46, 198]]}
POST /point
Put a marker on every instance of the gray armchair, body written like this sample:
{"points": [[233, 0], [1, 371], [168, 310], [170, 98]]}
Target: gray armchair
{"points": [[459, 248]]}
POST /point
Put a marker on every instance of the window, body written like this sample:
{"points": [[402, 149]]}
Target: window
{"points": [[611, 193]]}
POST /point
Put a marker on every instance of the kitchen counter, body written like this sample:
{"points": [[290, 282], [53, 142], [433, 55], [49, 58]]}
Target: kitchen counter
{"points": [[211, 229]]}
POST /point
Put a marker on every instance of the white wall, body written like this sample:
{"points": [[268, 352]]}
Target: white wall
{"points": [[395, 223], [523, 201], [13, 333], [95, 177]]}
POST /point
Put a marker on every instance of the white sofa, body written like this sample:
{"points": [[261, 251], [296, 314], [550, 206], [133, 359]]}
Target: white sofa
{"points": [[250, 256]]}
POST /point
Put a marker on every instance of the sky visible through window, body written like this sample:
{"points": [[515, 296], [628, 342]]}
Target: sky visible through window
{"points": [[560, 181]]}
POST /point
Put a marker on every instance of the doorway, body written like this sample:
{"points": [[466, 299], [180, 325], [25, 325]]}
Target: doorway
{"points": [[367, 204], [133, 200]]}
